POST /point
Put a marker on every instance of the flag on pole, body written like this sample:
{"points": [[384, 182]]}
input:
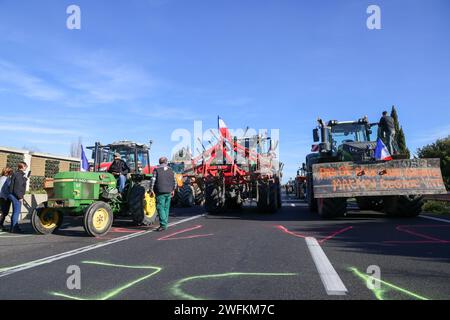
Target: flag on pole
{"points": [[223, 129], [381, 152], [84, 161]]}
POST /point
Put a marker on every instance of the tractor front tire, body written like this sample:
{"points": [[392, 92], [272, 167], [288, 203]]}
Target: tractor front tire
{"points": [[141, 206], [403, 206], [330, 208], [46, 220], [214, 199], [98, 219], [312, 203]]}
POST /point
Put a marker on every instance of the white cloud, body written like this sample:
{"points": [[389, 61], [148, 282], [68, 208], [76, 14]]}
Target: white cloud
{"points": [[235, 102], [165, 113], [98, 79], [22, 128], [81, 81], [13, 78], [431, 135]]}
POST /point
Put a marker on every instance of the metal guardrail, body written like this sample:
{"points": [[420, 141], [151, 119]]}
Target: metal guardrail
{"points": [[438, 197]]}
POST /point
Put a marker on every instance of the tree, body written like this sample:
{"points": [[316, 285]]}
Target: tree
{"points": [[439, 149], [400, 138], [75, 148]]}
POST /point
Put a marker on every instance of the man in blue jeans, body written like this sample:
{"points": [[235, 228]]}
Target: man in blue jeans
{"points": [[119, 169], [17, 190]]}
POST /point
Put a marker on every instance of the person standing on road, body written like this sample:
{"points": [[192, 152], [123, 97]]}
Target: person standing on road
{"points": [[119, 169], [388, 131], [17, 190], [5, 203], [163, 186]]}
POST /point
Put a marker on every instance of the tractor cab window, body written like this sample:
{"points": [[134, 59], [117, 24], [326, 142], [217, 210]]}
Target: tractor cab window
{"points": [[348, 132], [128, 156]]}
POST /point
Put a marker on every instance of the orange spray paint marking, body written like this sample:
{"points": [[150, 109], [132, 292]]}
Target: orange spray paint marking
{"points": [[171, 236], [299, 235], [427, 238]]}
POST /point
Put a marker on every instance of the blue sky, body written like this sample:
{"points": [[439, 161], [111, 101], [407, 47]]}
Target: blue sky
{"points": [[139, 69]]}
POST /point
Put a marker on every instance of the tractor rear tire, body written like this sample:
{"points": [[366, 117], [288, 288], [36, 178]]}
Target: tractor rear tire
{"points": [[403, 206], [234, 203], [198, 195], [370, 203], [46, 220], [186, 196], [140, 210], [279, 201], [330, 208], [268, 197], [214, 199], [98, 219]]}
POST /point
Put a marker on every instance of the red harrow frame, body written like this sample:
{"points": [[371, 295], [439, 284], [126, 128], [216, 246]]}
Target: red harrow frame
{"points": [[230, 173]]}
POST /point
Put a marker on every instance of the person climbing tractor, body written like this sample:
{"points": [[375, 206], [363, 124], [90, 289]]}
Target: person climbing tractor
{"points": [[388, 131], [163, 185], [119, 169]]}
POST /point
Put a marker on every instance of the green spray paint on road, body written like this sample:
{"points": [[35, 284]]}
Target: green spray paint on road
{"points": [[177, 291], [114, 292], [380, 293]]}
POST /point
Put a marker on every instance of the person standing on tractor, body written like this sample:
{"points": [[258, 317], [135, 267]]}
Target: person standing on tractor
{"points": [[388, 131], [17, 190], [119, 169], [163, 185]]}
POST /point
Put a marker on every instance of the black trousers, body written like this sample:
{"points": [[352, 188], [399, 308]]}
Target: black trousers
{"points": [[5, 205]]}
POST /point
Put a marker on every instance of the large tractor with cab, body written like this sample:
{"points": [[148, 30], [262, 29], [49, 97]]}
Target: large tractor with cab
{"points": [[344, 166], [94, 195]]}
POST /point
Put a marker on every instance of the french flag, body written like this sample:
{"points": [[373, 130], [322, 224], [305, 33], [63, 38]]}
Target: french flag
{"points": [[84, 161], [223, 129], [381, 152]]}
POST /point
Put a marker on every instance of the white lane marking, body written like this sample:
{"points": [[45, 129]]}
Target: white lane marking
{"points": [[436, 219], [32, 264], [330, 279]]}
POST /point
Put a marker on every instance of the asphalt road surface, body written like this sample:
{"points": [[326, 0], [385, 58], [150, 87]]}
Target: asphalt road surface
{"points": [[241, 255]]}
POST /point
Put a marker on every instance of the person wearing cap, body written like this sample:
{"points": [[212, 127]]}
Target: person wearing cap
{"points": [[119, 169], [163, 185]]}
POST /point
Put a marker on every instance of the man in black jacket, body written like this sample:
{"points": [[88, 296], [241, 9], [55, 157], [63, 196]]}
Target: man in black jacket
{"points": [[119, 169], [163, 184], [17, 190], [387, 127]]}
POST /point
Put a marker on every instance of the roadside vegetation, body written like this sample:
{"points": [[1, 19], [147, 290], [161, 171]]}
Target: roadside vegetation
{"points": [[438, 207], [439, 149]]}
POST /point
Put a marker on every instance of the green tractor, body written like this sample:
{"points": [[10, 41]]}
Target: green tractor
{"points": [[95, 196], [344, 166]]}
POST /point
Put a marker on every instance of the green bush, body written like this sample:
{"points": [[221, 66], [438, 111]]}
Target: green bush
{"points": [[440, 149], [433, 206]]}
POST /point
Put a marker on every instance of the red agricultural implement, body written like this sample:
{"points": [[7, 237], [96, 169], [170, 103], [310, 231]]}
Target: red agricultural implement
{"points": [[234, 170]]}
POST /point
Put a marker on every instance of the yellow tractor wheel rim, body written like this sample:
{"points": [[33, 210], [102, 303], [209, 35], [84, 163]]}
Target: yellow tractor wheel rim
{"points": [[49, 218], [149, 205], [100, 219]]}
